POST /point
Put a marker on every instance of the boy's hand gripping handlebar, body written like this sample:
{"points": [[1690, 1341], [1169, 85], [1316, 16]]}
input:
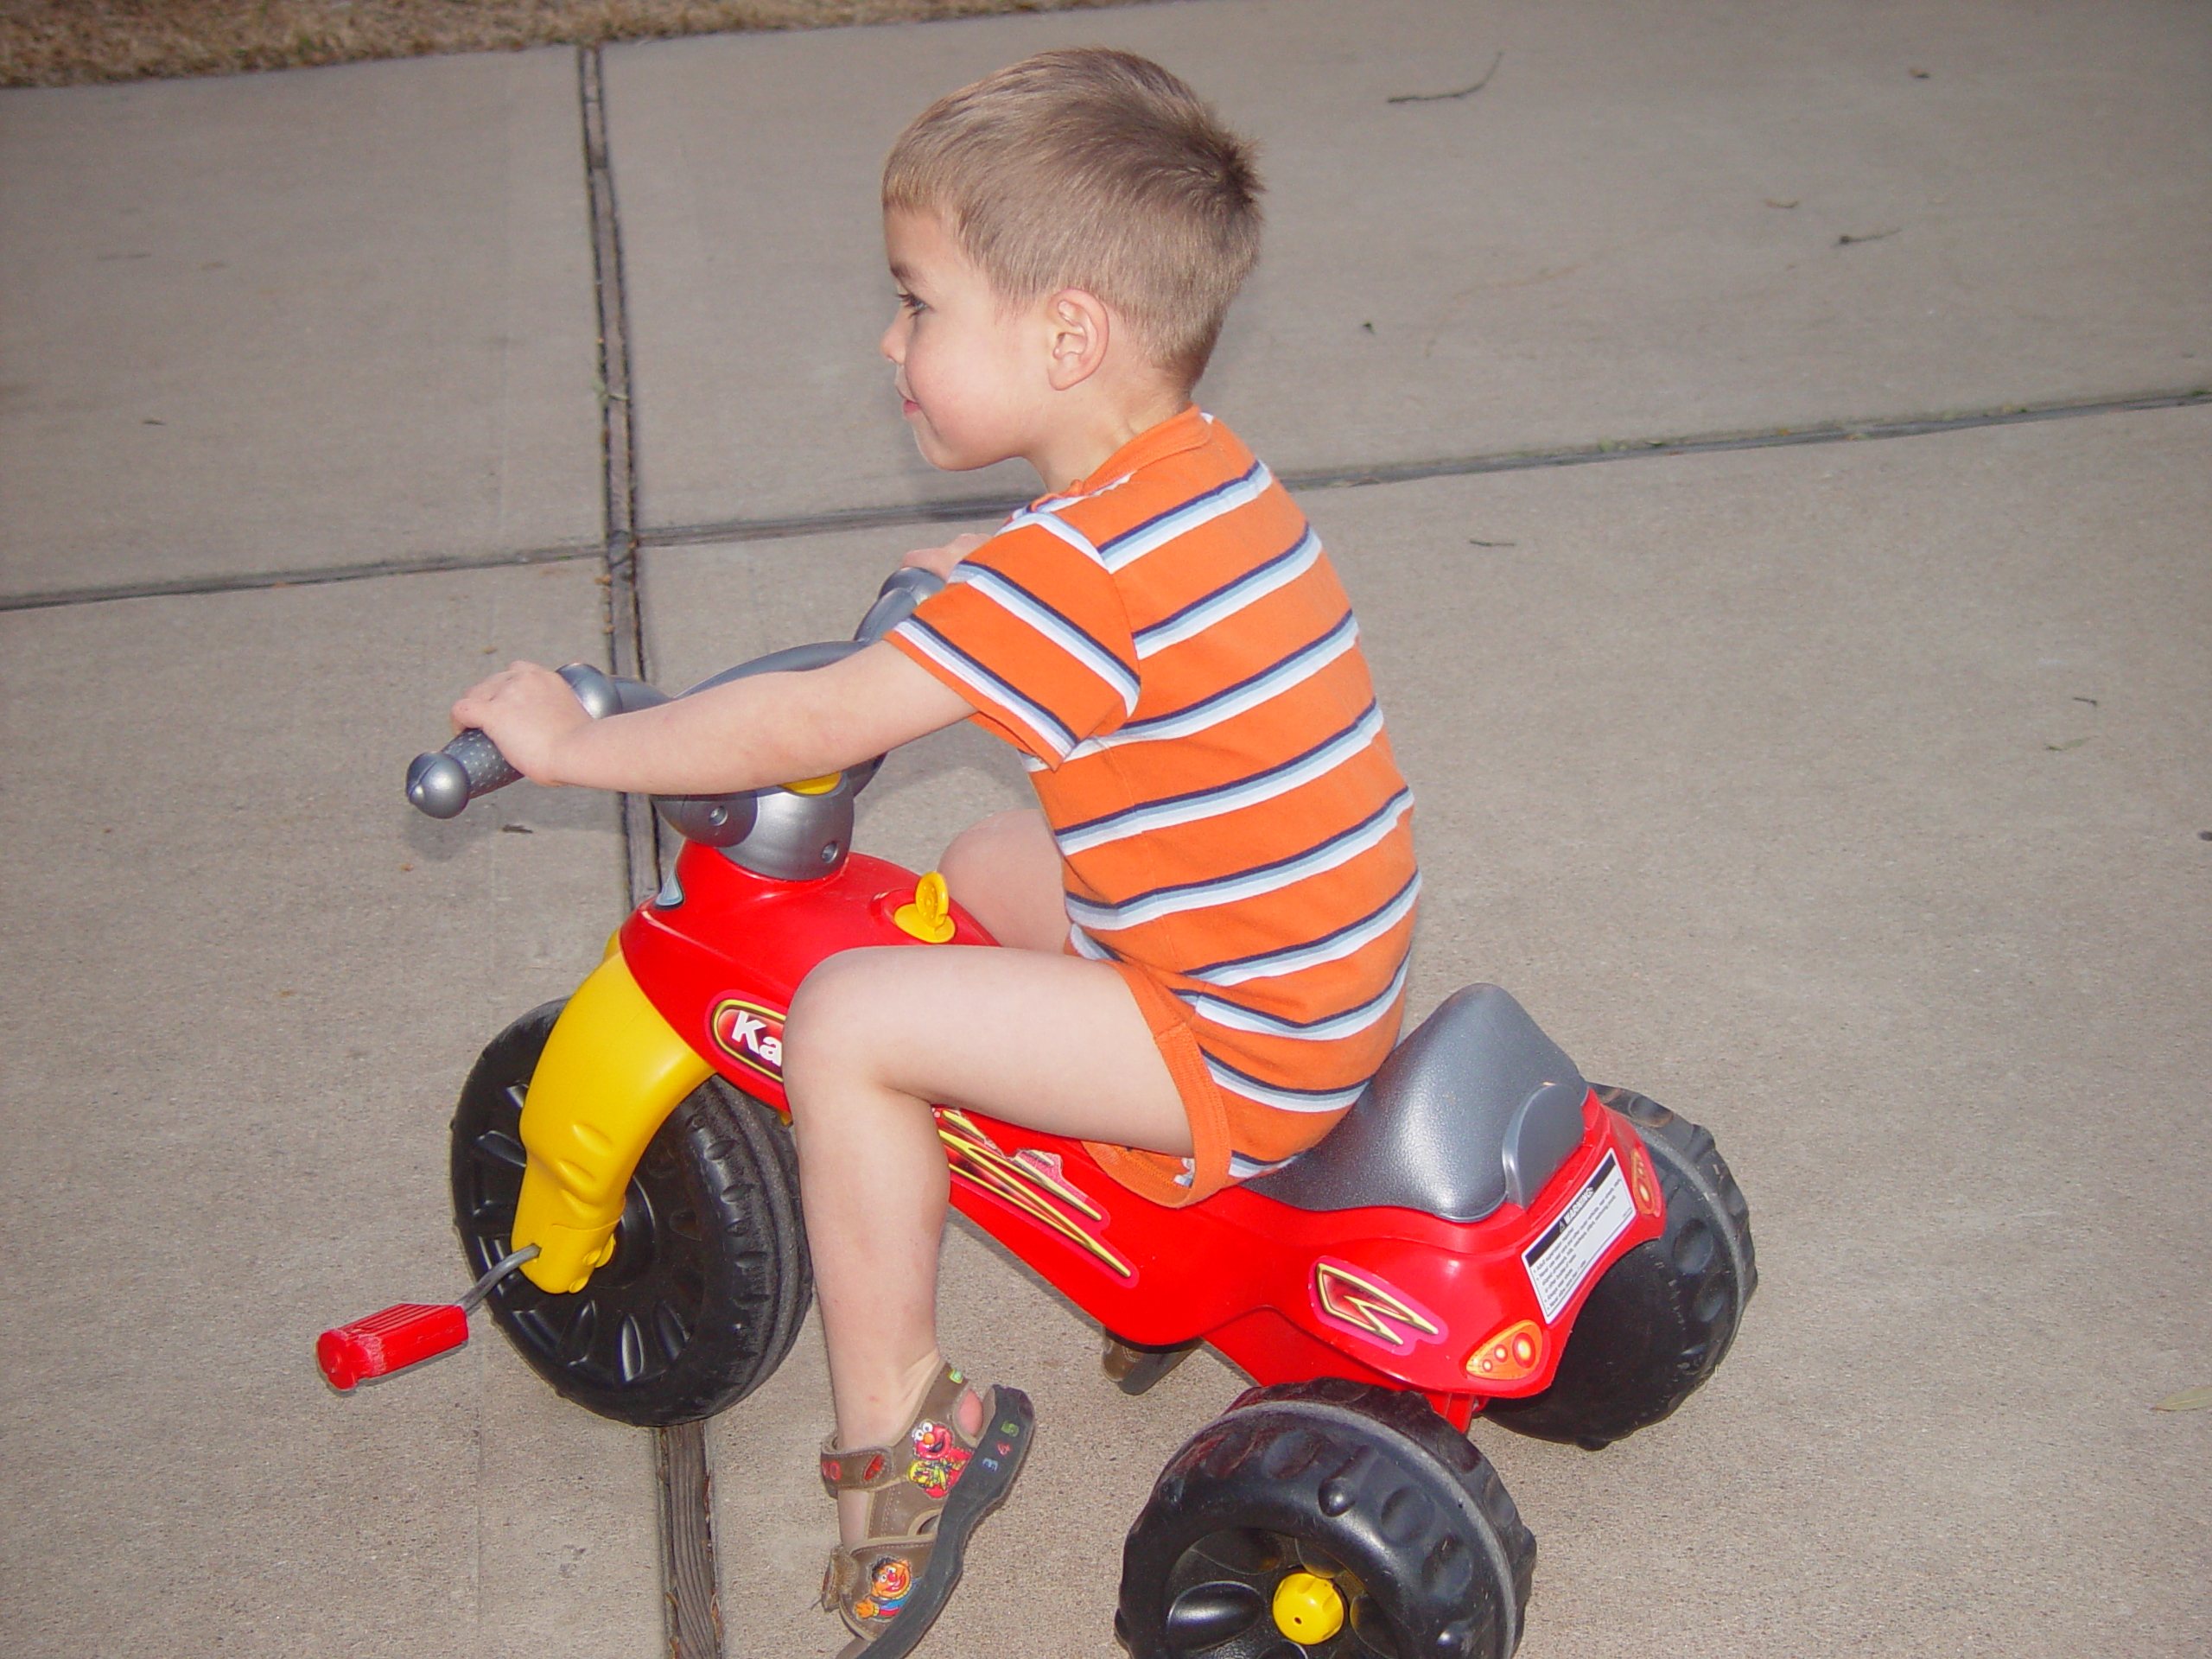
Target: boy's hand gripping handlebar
{"points": [[443, 783]]}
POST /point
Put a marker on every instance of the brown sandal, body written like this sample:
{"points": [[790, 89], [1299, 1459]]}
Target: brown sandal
{"points": [[928, 1489]]}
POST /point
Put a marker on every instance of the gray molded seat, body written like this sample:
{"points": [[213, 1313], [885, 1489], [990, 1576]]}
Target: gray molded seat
{"points": [[1478, 1106]]}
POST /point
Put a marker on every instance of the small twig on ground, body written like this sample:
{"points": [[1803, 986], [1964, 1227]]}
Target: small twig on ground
{"points": [[1870, 236], [1439, 98]]}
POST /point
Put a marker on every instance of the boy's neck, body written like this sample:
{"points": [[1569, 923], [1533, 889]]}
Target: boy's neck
{"points": [[1101, 428]]}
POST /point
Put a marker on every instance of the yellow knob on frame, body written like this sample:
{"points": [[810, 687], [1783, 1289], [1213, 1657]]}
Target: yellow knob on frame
{"points": [[929, 919]]}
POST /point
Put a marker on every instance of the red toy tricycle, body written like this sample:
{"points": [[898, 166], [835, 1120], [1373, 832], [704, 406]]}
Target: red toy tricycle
{"points": [[1484, 1231]]}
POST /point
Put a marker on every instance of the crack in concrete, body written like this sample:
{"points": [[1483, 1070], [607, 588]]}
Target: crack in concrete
{"points": [[689, 1581], [953, 509]]}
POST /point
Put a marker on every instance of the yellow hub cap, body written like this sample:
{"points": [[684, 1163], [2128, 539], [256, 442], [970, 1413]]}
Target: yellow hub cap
{"points": [[1308, 1609]]}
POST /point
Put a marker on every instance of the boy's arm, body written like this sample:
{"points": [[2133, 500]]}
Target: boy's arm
{"points": [[747, 734]]}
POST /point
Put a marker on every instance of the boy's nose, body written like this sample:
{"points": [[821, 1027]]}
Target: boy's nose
{"points": [[893, 343]]}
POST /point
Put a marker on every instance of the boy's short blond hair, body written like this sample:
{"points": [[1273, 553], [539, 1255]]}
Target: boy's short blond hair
{"points": [[1094, 169]]}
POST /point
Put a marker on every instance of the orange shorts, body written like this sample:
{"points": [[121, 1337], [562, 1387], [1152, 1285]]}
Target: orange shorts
{"points": [[1220, 1122]]}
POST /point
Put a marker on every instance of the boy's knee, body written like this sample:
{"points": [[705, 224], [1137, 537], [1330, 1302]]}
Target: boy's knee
{"points": [[823, 1019], [1004, 871]]}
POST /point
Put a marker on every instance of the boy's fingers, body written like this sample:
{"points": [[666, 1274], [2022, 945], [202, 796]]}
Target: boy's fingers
{"points": [[468, 711], [942, 559], [938, 560]]}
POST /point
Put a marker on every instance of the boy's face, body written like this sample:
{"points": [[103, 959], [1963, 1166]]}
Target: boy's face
{"points": [[972, 373]]}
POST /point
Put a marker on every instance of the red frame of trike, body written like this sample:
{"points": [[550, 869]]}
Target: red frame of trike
{"points": [[1382, 1295]]}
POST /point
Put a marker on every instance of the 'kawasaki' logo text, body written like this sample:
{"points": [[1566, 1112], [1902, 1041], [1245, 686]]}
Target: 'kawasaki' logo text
{"points": [[751, 1035]]}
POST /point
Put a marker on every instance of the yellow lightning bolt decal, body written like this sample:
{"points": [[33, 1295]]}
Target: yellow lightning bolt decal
{"points": [[1027, 1186], [1358, 1301]]}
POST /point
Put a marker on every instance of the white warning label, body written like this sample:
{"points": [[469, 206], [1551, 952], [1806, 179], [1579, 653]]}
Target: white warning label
{"points": [[1561, 1259]]}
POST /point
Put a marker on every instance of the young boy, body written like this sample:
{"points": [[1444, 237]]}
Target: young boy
{"points": [[1210, 912]]}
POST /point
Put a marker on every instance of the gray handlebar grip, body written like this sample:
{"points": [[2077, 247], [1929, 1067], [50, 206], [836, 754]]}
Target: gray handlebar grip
{"points": [[441, 784], [901, 593]]}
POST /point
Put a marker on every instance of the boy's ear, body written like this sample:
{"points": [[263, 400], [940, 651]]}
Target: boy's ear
{"points": [[1079, 329]]}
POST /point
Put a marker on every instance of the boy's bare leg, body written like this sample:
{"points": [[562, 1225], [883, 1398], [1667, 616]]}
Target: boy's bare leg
{"points": [[874, 1036], [1005, 871]]}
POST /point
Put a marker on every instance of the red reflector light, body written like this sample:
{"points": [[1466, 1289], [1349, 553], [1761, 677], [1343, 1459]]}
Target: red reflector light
{"points": [[1510, 1355], [1642, 1181]]}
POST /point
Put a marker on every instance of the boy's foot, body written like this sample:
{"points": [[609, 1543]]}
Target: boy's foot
{"points": [[927, 1491]]}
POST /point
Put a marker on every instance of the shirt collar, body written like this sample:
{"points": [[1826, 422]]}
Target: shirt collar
{"points": [[1187, 430]]}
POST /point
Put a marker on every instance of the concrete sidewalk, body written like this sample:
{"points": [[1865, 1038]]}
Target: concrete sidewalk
{"points": [[1634, 230], [1848, 797]]}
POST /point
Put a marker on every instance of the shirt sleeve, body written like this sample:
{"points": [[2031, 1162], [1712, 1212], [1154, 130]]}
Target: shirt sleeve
{"points": [[1032, 631]]}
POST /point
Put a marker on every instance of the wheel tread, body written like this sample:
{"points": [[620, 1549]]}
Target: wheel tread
{"points": [[724, 1165], [1378, 1480], [1606, 1388]]}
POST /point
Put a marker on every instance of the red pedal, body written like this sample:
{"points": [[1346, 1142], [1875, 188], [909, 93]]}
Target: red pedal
{"points": [[388, 1341]]}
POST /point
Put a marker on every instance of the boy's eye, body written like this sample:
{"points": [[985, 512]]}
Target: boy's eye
{"points": [[908, 303]]}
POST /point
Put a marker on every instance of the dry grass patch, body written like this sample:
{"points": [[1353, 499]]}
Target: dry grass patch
{"points": [[62, 42]]}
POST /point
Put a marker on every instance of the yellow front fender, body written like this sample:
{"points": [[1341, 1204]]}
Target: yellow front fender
{"points": [[612, 1072]]}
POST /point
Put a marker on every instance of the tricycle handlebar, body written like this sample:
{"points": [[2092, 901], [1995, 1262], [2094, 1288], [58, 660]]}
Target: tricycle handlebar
{"points": [[443, 783]]}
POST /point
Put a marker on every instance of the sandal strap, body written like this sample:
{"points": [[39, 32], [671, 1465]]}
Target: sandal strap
{"points": [[934, 1432], [908, 1483], [889, 1588]]}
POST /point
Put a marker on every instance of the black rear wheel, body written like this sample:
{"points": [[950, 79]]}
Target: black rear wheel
{"points": [[709, 1281], [1325, 1520], [1660, 1321]]}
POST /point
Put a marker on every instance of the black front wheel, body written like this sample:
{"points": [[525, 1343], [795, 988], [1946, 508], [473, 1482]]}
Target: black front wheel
{"points": [[1657, 1326], [709, 1281], [1325, 1520]]}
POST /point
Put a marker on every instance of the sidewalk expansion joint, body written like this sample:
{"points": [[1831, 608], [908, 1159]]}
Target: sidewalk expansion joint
{"points": [[954, 510], [621, 559], [428, 564], [681, 1464]]}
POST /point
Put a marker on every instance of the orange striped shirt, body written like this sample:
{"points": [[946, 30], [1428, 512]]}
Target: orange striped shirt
{"points": [[1169, 648]]}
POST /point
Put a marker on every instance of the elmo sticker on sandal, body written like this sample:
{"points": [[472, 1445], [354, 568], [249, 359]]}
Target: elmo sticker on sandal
{"points": [[939, 1458]]}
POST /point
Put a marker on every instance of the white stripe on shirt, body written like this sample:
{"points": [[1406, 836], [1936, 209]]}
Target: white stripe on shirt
{"points": [[1294, 670], [1126, 549], [1334, 947], [1236, 1017], [1354, 740], [1283, 1100], [1018, 602], [1050, 734], [1256, 584], [1338, 849]]}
